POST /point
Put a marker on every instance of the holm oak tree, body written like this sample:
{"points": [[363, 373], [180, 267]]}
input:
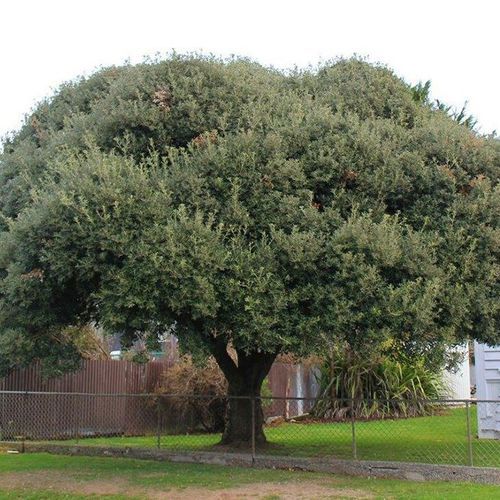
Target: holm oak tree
{"points": [[259, 212]]}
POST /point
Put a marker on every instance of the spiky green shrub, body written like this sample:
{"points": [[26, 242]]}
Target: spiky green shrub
{"points": [[376, 386]]}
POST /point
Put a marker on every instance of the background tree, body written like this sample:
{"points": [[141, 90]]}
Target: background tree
{"points": [[254, 210]]}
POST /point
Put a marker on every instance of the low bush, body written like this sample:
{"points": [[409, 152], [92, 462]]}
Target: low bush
{"points": [[197, 393], [188, 380]]}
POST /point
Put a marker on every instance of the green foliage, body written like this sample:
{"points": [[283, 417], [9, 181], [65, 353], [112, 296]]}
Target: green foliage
{"points": [[253, 209], [460, 117], [59, 353], [421, 92], [421, 95], [140, 356], [375, 386]]}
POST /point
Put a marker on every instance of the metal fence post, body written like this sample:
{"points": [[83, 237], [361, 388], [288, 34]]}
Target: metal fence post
{"points": [[353, 433], [253, 428], [3, 424], [469, 435], [25, 420], [77, 420], [158, 422]]}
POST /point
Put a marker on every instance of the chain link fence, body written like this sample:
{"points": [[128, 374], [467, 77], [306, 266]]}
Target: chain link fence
{"points": [[445, 432]]}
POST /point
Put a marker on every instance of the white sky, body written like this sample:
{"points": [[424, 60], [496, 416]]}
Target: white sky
{"points": [[453, 43]]}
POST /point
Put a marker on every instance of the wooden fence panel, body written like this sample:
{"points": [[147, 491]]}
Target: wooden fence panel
{"points": [[114, 410]]}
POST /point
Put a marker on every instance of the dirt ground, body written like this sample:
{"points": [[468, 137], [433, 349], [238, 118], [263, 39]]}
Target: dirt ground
{"points": [[61, 483]]}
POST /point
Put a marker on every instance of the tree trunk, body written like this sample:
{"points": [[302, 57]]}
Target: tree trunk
{"points": [[244, 415], [244, 407]]}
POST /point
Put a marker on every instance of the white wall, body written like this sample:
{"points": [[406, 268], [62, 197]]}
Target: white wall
{"points": [[458, 381], [488, 387]]}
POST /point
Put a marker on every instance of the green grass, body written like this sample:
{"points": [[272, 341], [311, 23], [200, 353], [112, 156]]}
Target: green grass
{"points": [[145, 477], [440, 439], [139, 472]]}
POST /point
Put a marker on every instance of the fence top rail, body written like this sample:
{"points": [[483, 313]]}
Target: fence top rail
{"points": [[263, 398]]}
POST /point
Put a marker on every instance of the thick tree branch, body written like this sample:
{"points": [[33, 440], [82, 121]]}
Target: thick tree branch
{"points": [[218, 348]]}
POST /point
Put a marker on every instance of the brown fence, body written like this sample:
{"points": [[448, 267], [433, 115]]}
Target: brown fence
{"points": [[95, 377], [46, 415], [288, 380], [125, 414], [127, 377]]}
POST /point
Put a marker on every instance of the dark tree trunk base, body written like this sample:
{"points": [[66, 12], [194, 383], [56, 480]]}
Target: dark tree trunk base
{"points": [[244, 419], [244, 423]]}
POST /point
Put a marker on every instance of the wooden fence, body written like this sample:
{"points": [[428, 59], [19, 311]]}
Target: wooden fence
{"points": [[117, 408], [70, 411], [127, 377], [95, 377]]}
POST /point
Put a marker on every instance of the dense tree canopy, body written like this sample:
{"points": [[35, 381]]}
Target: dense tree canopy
{"points": [[264, 211]]}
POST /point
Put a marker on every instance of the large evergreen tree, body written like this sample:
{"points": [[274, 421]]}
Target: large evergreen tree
{"points": [[257, 211]]}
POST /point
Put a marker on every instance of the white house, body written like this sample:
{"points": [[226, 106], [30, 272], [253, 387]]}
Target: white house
{"points": [[488, 387]]}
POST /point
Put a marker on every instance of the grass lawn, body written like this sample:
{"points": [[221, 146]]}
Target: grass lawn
{"points": [[42, 476], [436, 439]]}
